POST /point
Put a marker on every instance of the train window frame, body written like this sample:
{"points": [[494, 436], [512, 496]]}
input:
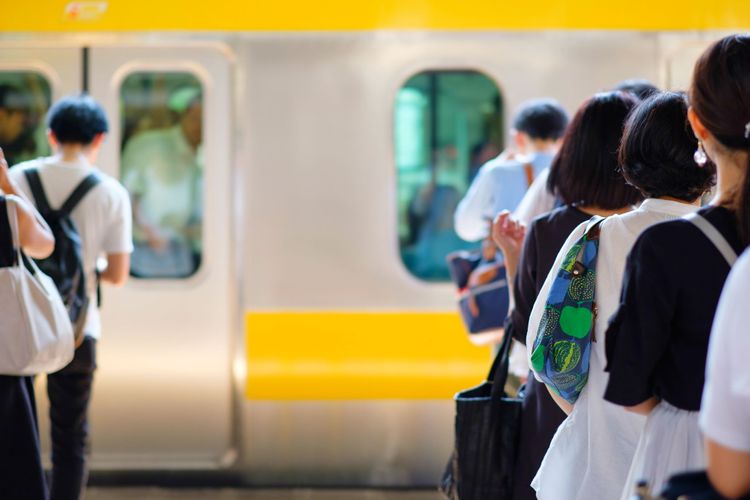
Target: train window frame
{"points": [[400, 83], [201, 75], [50, 77]]}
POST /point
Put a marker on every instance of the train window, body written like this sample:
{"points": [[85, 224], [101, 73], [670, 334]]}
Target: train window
{"points": [[161, 166], [447, 124], [25, 97]]}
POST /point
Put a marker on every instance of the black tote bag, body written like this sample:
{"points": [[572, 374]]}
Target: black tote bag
{"points": [[487, 431]]}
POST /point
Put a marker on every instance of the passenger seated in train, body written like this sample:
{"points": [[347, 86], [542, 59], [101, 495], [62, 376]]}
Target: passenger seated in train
{"points": [[163, 169], [585, 176], [501, 183], [657, 343], [13, 116], [77, 128]]}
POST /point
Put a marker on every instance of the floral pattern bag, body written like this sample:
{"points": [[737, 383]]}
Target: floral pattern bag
{"points": [[562, 349]]}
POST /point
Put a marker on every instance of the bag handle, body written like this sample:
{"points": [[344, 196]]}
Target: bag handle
{"points": [[500, 365], [529, 171], [10, 208], [713, 234]]}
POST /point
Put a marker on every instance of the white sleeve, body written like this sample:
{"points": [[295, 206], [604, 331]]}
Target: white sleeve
{"points": [[536, 201], [541, 300], [470, 219], [725, 409], [118, 237]]}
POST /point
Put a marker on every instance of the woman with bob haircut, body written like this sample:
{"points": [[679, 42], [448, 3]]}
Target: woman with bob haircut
{"points": [[589, 154], [591, 453], [658, 341]]}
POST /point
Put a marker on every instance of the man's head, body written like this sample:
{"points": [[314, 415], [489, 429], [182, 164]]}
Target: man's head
{"points": [[77, 122], [187, 102], [539, 126], [13, 113], [640, 88]]}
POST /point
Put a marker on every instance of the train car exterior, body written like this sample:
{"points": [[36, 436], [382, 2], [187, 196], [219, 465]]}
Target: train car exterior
{"points": [[303, 349]]}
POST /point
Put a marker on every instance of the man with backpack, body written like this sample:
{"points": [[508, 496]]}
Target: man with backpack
{"points": [[90, 215]]}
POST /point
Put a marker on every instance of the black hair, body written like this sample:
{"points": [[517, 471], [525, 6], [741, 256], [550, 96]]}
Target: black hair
{"points": [[77, 120], [586, 170], [720, 97], [642, 89], [657, 150], [541, 119]]}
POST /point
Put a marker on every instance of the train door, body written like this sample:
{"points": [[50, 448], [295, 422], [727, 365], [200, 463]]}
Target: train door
{"points": [[31, 77], [163, 392]]}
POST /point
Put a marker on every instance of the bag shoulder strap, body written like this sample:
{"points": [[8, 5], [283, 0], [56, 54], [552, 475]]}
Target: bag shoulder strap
{"points": [[594, 228], [713, 234], [37, 190], [529, 171], [78, 193], [499, 372]]}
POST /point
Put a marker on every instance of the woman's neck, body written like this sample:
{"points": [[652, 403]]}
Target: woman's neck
{"points": [[730, 171], [594, 210]]}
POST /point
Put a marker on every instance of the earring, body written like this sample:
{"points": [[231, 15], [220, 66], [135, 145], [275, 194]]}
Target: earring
{"points": [[700, 155]]}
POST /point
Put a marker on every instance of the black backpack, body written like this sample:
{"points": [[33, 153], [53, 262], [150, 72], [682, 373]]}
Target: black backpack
{"points": [[65, 265]]}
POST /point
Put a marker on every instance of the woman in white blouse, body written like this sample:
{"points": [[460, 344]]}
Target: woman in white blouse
{"points": [[725, 409], [591, 453]]}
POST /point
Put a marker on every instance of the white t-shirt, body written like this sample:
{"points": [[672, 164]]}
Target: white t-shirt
{"points": [[103, 217], [537, 200], [725, 408], [591, 452], [499, 185]]}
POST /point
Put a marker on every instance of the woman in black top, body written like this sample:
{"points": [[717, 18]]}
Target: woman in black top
{"points": [[584, 174], [21, 474], [657, 341]]}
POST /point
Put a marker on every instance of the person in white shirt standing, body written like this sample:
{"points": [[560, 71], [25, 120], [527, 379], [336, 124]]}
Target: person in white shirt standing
{"points": [[501, 183], [77, 127]]}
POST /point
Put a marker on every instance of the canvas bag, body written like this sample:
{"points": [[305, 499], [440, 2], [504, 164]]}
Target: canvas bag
{"points": [[562, 348], [36, 335], [483, 292]]}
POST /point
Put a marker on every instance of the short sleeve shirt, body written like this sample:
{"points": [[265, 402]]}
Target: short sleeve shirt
{"points": [[103, 217], [657, 341], [725, 410]]}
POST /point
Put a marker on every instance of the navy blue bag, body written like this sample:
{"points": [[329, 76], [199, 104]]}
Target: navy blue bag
{"points": [[483, 297]]}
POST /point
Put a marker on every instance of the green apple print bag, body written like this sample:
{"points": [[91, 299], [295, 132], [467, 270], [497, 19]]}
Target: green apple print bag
{"points": [[562, 348]]}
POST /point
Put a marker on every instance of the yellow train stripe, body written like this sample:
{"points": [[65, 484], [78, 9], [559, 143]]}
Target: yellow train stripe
{"points": [[337, 15], [344, 356]]}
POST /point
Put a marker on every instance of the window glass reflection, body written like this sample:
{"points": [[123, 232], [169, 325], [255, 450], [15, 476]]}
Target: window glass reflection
{"points": [[447, 124], [162, 168], [24, 100]]}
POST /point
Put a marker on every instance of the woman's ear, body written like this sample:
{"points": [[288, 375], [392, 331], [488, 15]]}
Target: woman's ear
{"points": [[700, 131]]}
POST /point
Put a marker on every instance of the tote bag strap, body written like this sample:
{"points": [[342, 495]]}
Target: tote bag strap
{"points": [[499, 372], [713, 234], [10, 208]]}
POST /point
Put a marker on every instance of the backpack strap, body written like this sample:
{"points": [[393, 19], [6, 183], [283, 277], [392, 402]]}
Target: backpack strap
{"points": [[713, 234], [37, 190], [78, 193], [529, 171], [594, 228]]}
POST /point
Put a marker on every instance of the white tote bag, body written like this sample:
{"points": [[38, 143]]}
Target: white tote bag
{"points": [[36, 335]]}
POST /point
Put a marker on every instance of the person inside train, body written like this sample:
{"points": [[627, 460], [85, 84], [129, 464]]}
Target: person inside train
{"points": [[77, 127], [657, 343], [584, 174], [725, 408], [21, 472], [162, 170], [501, 183], [13, 115]]}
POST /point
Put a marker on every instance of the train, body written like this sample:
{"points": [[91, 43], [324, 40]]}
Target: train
{"points": [[317, 342]]}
